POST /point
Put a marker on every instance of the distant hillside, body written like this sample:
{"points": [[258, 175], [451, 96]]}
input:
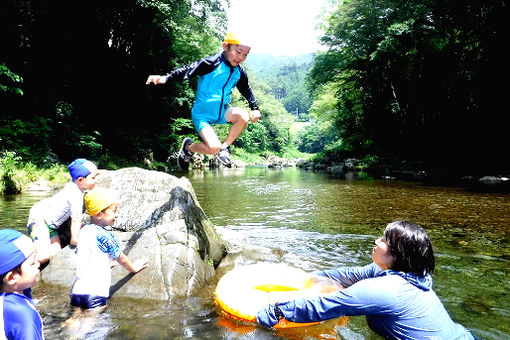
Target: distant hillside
{"points": [[286, 78], [259, 63]]}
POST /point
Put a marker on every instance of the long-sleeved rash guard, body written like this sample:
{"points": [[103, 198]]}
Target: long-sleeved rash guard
{"points": [[397, 305], [217, 79], [18, 318]]}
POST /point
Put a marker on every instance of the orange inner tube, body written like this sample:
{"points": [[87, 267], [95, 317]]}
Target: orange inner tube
{"points": [[245, 290]]}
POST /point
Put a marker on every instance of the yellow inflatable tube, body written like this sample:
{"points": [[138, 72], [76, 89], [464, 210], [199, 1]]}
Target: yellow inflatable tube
{"points": [[245, 290]]}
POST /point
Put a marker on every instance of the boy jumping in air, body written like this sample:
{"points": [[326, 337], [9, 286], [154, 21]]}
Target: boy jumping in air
{"points": [[218, 75]]}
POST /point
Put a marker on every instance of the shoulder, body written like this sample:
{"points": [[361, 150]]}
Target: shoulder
{"points": [[72, 190], [104, 235], [242, 71], [88, 229], [107, 242], [211, 61], [375, 291], [214, 58], [381, 284], [18, 311], [71, 186]]}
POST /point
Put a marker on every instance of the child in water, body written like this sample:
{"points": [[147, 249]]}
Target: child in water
{"points": [[96, 248], [49, 215], [19, 270]]}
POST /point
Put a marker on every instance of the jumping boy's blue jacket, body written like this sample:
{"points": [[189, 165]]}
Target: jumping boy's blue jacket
{"points": [[217, 80], [397, 305]]}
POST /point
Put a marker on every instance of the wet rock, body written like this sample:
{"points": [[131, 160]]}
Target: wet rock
{"points": [[159, 218], [278, 162], [41, 185], [493, 180]]}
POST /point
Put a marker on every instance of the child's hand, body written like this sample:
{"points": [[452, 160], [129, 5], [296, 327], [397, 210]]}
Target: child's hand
{"points": [[254, 116], [140, 265], [155, 79]]}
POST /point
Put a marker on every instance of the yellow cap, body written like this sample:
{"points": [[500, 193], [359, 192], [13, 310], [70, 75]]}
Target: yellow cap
{"points": [[97, 200], [230, 38]]}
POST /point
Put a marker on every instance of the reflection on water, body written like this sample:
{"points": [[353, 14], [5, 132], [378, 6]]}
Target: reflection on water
{"points": [[319, 222]]}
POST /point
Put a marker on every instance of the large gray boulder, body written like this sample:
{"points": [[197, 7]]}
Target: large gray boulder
{"points": [[159, 218]]}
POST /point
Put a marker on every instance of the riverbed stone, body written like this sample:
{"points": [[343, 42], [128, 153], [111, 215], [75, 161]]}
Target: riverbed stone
{"points": [[159, 218]]}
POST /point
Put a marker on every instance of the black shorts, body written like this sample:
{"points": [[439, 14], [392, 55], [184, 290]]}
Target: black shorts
{"points": [[88, 301]]}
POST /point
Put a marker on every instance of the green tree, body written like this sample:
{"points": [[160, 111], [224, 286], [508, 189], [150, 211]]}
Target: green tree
{"points": [[415, 79], [84, 75]]}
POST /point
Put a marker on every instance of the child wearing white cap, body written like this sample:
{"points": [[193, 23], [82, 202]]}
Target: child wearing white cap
{"points": [[19, 270], [61, 210]]}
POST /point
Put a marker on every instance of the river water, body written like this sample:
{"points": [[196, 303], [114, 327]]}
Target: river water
{"points": [[317, 222]]}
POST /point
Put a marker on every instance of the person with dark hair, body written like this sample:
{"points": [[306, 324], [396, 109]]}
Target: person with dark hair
{"points": [[394, 292]]}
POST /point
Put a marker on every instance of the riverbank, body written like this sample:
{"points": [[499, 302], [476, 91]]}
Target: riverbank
{"points": [[407, 170], [18, 176]]}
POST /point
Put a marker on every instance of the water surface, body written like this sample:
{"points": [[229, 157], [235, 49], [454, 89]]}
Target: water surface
{"points": [[318, 222]]}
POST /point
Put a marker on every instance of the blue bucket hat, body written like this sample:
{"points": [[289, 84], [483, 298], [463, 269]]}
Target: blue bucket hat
{"points": [[15, 248], [81, 167]]}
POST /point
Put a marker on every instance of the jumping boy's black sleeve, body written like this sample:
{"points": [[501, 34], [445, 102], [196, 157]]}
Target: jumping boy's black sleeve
{"points": [[245, 89], [197, 68]]}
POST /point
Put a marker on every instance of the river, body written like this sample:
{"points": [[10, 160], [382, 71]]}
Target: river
{"points": [[317, 221]]}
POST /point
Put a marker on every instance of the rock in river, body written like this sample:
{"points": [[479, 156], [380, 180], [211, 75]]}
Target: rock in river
{"points": [[159, 218]]}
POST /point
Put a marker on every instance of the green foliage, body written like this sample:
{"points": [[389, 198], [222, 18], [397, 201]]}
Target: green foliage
{"points": [[16, 174], [8, 181], [405, 79], [272, 131], [66, 110], [411, 79], [9, 78], [286, 77]]}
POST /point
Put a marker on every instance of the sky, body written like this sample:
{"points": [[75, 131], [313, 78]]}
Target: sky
{"points": [[277, 27]]}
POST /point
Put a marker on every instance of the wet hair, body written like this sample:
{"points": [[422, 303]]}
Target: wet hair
{"points": [[411, 247], [17, 269]]}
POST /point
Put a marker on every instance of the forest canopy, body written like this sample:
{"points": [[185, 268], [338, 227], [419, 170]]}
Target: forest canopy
{"points": [[414, 80], [406, 80]]}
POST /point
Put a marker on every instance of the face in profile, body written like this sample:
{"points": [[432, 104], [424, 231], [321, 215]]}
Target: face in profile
{"points": [[108, 215], [29, 273], [381, 254]]}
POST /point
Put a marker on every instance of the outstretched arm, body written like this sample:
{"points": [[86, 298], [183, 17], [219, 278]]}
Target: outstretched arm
{"points": [[132, 267], [197, 68], [366, 297], [156, 79]]}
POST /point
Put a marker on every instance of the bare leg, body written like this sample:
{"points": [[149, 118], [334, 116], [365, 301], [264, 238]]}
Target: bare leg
{"points": [[210, 145], [239, 117]]}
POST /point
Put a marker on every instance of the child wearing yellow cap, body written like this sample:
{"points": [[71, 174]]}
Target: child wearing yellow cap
{"points": [[96, 248], [218, 75]]}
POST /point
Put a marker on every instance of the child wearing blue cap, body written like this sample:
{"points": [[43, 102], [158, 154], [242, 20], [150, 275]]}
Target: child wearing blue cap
{"points": [[58, 211], [19, 270]]}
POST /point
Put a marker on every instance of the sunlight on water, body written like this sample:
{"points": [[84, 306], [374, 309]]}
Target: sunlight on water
{"points": [[317, 222]]}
